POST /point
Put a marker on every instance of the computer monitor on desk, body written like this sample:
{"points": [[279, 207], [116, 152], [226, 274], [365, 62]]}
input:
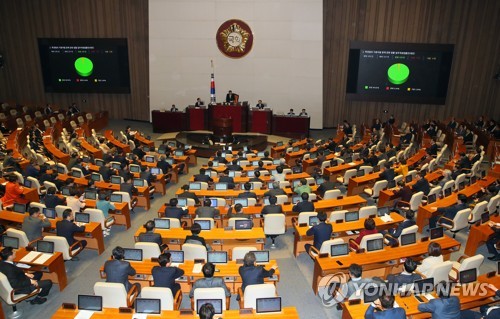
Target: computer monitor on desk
{"points": [[90, 302], [147, 306]]}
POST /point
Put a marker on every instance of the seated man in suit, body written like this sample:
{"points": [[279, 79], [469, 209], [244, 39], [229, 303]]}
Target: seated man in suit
{"points": [[67, 228], [276, 190], [201, 177], [51, 200], [422, 185], [449, 212], [256, 177], [252, 274], [127, 186], [407, 277], [493, 240], [199, 102], [486, 312], [321, 232], [272, 208], [117, 270], [187, 194], [218, 157], [247, 193], [387, 172], [236, 211], [172, 211], [165, 275], [195, 237], [291, 113], [206, 211], [227, 179], [396, 232], [356, 283], [444, 307], [260, 105], [303, 206], [234, 166], [173, 108], [303, 113], [34, 224], [230, 97], [385, 309], [303, 187], [24, 283], [325, 186], [209, 281], [150, 236]]}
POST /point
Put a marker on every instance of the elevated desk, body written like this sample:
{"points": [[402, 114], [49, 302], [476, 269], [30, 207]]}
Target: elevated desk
{"points": [[197, 118], [379, 262], [52, 149], [165, 122], [276, 151], [478, 235], [260, 121], [291, 126], [238, 113], [95, 152], [143, 199], [356, 185], [340, 169]]}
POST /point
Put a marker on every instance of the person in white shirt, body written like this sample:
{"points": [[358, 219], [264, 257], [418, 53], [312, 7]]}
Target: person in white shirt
{"points": [[291, 113], [435, 258], [75, 201], [279, 176]]}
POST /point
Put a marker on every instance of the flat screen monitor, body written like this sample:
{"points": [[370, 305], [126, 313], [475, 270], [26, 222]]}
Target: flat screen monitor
{"points": [[266, 201], [44, 246], [473, 180], [447, 192], [296, 199], [116, 180], [399, 72], [268, 305], [296, 183], [90, 302], [132, 254], [208, 173], [243, 224], [82, 218], [261, 154], [138, 182], [261, 256], [179, 153], [176, 256], [334, 163], [95, 177], [270, 185], [408, 239], [351, 216], [99, 162], [408, 178], [61, 170], [485, 217], [431, 198], [19, 208], [231, 173], [205, 224], [217, 257], [242, 201], [49, 212], [195, 186], [116, 198], [181, 202], [65, 191], [169, 161], [348, 160], [313, 220], [276, 161], [149, 306], [437, 232], [155, 171], [371, 293], [320, 180], [85, 65], [162, 223], [376, 169], [135, 169], [375, 244], [383, 211], [217, 303], [279, 143], [221, 186], [255, 163], [423, 286], [213, 202], [461, 186], [8, 241], [360, 172], [313, 155], [76, 174], [483, 174], [27, 183], [391, 184], [296, 149], [468, 276], [149, 159], [339, 250], [90, 195], [116, 166]]}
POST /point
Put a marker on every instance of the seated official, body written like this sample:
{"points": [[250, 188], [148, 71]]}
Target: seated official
{"points": [[187, 194], [275, 191], [199, 102], [369, 230], [234, 166], [230, 97], [118, 270], [445, 306], [209, 281], [408, 276], [486, 312], [195, 237], [236, 211], [279, 176], [256, 177], [356, 283], [260, 105], [387, 172], [325, 186], [227, 179], [207, 311], [303, 113], [266, 157], [396, 231], [422, 185], [385, 309], [247, 193], [435, 258], [201, 177], [206, 211], [252, 274], [493, 240], [291, 113], [13, 192], [173, 108], [150, 236], [303, 187], [321, 232], [24, 283], [303, 206], [449, 212], [165, 275], [67, 228], [272, 208], [172, 211], [34, 224]]}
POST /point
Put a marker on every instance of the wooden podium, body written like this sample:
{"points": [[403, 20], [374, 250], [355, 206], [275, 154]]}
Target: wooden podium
{"points": [[238, 113], [223, 127], [197, 118], [260, 121]]}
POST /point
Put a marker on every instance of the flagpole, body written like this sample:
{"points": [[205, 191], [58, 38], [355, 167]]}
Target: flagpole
{"points": [[212, 84]]}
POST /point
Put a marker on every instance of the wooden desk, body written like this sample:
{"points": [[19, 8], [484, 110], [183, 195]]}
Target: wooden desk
{"points": [[427, 211], [144, 140], [53, 267], [96, 152], [300, 237], [356, 185], [467, 301], [379, 262], [93, 231], [287, 313], [108, 134], [259, 121], [16, 142], [218, 238], [52, 149], [143, 193], [291, 126], [238, 113], [292, 157], [478, 235], [276, 151], [121, 212], [340, 169], [229, 272], [81, 181], [176, 121]]}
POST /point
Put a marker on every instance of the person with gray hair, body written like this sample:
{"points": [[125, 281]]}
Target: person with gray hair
{"points": [[446, 177], [252, 274], [275, 191]]}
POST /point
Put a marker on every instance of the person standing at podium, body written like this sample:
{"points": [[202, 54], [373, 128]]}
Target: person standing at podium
{"points": [[303, 113], [199, 102], [174, 108], [230, 97], [260, 105]]}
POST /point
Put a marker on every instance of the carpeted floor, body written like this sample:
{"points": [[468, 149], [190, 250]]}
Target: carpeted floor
{"points": [[296, 273]]}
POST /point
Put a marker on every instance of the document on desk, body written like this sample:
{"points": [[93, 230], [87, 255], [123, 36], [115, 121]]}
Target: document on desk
{"points": [[43, 258], [386, 218], [197, 268], [351, 164], [84, 314], [140, 316], [30, 257]]}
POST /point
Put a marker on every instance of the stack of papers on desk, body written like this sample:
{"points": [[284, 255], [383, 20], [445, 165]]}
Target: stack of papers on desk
{"points": [[197, 268], [30, 257], [43, 258], [84, 314], [386, 218]]}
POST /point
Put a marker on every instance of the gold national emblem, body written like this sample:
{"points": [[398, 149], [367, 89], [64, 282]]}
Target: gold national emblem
{"points": [[234, 38]]}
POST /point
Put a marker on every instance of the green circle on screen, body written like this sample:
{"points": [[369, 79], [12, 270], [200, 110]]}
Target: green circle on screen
{"points": [[398, 73], [84, 66]]}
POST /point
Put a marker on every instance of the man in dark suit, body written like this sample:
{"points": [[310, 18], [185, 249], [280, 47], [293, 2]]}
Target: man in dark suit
{"points": [[321, 232], [305, 205], [227, 179], [272, 208], [128, 187], [23, 282], [449, 212], [106, 172], [218, 157], [251, 274], [387, 172], [163, 164], [236, 211], [275, 191], [66, 228], [51, 200], [117, 270], [385, 304], [150, 236], [422, 185], [260, 105], [247, 193], [407, 277], [206, 211], [432, 149], [230, 97], [234, 166], [464, 161], [199, 102], [146, 175], [396, 232], [165, 275], [172, 211], [444, 307], [209, 281], [487, 312], [201, 177], [34, 224], [187, 194], [325, 186]]}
